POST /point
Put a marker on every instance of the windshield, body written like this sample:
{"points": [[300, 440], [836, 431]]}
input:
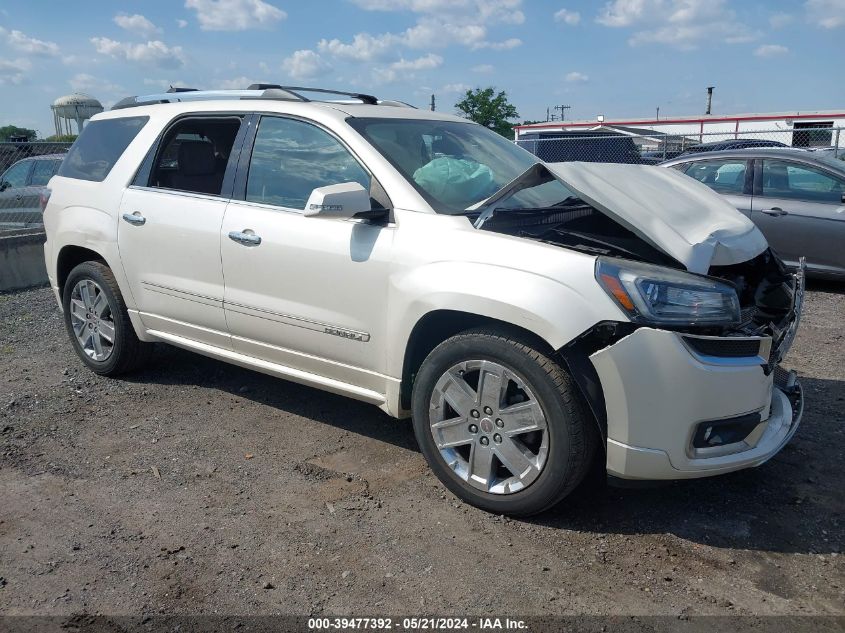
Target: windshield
{"points": [[455, 165]]}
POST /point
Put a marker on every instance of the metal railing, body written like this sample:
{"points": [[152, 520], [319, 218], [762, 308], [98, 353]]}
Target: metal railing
{"points": [[607, 146], [25, 169]]}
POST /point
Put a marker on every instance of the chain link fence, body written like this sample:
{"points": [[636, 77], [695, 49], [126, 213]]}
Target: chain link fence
{"points": [[654, 147], [25, 170]]}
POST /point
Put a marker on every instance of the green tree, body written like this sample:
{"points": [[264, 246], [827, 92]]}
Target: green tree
{"points": [[489, 109], [13, 130], [61, 138]]}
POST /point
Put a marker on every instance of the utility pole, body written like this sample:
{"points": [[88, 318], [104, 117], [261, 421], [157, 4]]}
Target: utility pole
{"points": [[432, 103], [709, 99], [657, 115], [563, 109], [547, 115]]}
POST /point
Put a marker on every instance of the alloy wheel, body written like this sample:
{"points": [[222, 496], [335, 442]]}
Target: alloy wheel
{"points": [[92, 320], [489, 427]]}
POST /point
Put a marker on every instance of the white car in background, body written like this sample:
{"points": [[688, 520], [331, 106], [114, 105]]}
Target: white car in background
{"points": [[530, 317]]}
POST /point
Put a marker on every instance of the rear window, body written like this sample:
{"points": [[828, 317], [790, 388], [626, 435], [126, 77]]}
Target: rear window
{"points": [[99, 147]]}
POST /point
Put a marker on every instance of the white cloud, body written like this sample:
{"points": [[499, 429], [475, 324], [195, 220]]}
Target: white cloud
{"points": [[439, 24], [364, 47], [483, 68], [437, 33], [405, 68], [83, 82], [487, 11], [828, 14], [780, 20], [235, 15], [25, 44], [236, 83], [682, 24], [426, 62], [137, 24], [14, 71], [770, 50], [507, 44], [181, 23], [455, 88], [152, 53], [576, 77], [304, 64], [568, 17]]}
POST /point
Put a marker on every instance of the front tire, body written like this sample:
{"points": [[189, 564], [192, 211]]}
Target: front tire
{"points": [[98, 323], [500, 423]]}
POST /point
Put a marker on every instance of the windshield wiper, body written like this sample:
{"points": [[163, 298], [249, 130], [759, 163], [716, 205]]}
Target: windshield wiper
{"points": [[535, 175]]}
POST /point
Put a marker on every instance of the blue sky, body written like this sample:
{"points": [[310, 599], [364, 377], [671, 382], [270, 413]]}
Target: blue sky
{"points": [[618, 58]]}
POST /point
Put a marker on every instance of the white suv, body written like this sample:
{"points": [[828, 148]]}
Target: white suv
{"points": [[531, 317]]}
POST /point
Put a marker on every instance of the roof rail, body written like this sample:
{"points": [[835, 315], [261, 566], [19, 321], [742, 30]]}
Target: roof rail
{"points": [[190, 94], [364, 98]]}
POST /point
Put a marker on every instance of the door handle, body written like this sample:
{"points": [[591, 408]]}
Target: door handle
{"points": [[775, 212], [18, 197], [247, 239], [134, 218]]}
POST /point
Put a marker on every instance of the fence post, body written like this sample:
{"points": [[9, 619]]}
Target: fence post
{"points": [[836, 151]]}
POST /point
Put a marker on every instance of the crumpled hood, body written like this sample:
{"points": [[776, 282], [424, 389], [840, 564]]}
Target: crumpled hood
{"points": [[673, 212]]}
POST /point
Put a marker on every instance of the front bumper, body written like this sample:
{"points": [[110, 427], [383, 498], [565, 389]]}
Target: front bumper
{"points": [[657, 392]]}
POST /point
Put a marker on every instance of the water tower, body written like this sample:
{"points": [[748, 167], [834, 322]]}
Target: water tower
{"points": [[74, 107]]}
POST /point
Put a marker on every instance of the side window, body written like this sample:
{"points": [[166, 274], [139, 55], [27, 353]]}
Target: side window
{"points": [[782, 179], [15, 176], [194, 153], [722, 176], [99, 147], [291, 158], [42, 172]]}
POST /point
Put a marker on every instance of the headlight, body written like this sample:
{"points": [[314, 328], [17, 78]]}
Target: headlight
{"points": [[658, 295]]}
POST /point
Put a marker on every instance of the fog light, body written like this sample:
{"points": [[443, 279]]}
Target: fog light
{"points": [[723, 432]]}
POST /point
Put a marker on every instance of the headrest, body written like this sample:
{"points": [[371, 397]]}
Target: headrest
{"points": [[196, 158], [446, 146]]}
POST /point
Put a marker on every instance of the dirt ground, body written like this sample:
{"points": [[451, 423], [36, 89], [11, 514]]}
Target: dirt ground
{"points": [[198, 487]]}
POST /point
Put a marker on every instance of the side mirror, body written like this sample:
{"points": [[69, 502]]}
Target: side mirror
{"points": [[344, 200], [4, 185]]}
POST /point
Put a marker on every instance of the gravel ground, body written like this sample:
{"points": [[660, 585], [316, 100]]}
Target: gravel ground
{"points": [[198, 487]]}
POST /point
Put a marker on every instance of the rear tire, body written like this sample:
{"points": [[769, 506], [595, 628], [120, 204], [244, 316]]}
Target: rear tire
{"points": [[98, 323], [501, 423]]}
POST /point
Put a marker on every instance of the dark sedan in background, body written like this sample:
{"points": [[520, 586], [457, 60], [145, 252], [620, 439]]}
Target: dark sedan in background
{"points": [[795, 197]]}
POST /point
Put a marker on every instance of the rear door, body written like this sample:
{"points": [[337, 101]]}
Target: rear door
{"points": [[801, 211], [169, 232], [729, 177]]}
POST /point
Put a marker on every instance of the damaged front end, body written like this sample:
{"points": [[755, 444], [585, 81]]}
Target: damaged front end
{"points": [[688, 385]]}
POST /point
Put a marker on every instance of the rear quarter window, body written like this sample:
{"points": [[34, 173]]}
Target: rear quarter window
{"points": [[99, 147]]}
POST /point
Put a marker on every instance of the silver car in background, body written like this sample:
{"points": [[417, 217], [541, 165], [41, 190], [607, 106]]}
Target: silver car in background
{"points": [[795, 197], [21, 186]]}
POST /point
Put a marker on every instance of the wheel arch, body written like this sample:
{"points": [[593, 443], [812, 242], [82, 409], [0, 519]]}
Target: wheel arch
{"points": [[436, 326], [69, 257]]}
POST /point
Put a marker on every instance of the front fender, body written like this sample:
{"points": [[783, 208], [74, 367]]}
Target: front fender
{"points": [[555, 309]]}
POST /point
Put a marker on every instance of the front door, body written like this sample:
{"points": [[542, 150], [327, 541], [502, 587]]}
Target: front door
{"points": [[169, 230], [305, 292], [800, 210]]}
